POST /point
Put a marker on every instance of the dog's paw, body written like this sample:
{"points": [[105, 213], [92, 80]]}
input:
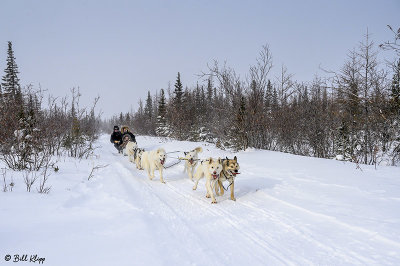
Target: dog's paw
{"points": [[208, 196], [214, 202], [194, 187], [234, 199]]}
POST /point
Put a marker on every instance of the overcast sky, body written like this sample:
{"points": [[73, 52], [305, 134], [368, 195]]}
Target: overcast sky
{"points": [[121, 49]]}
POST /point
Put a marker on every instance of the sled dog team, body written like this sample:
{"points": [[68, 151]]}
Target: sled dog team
{"points": [[215, 171]]}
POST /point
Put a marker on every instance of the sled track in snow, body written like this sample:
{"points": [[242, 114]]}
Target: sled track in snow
{"points": [[207, 208], [371, 235], [183, 225], [277, 220], [292, 228], [229, 218], [180, 202]]}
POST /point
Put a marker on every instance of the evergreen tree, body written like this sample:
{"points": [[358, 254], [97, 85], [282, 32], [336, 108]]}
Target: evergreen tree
{"points": [[324, 100], [268, 97], [148, 115], [394, 100], [275, 103], [343, 148], [10, 84], [162, 129], [395, 91], [203, 106], [121, 118], [209, 89], [148, 108], [178, 91], [239, 129], [177, 115], [155, 110], [140, 109], [128, 118], [1, 103], [209, 94]]}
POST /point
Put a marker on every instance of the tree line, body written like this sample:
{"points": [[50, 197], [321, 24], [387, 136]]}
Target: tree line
{"points": [[352, 114], [32, 136]]}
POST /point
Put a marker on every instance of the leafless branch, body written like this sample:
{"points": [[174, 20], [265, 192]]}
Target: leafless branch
{"points": [[96, 168]]}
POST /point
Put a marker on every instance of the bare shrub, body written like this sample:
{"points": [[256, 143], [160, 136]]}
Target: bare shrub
{"points": [[4, 173], [94, 168], [30, 178]]}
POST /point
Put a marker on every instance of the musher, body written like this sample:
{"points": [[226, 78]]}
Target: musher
{"points": [[116, 138]]}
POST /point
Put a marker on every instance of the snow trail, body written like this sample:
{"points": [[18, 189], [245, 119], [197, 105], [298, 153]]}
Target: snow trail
{"points": [[290, 210]]}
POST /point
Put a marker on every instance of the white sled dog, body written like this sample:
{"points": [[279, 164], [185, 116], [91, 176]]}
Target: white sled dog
{"points": [[191, 160], [152, 160], [211, 169], [138, 158], [130, 150]]}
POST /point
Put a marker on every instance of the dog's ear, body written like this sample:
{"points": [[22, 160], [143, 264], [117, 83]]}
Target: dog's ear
{"points": [[210, 160], [185, 152], [235, 158], [219, 161]]}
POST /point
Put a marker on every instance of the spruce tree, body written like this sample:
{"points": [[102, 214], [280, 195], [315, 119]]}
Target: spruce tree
{"points": [[177, 114], [210, 95], [275, 103], [148, 115], [10, 84], [395, 111], [268, 97], [178, 91], [162, 110], [148, 108], [162, 129], [121, 118], [209, 92], [395, 91], [128, 118], [1, 102], [239, 129]]}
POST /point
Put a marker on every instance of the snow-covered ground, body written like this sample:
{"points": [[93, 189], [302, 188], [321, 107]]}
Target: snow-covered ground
{"points": [[290, 210]]}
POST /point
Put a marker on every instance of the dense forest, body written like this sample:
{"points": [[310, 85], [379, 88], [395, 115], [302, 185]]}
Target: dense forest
{"points": [[351, 114]]}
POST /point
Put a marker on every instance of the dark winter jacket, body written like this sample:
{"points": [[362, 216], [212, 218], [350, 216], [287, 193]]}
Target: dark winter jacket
{"points": [[116, 136], [132, 137]]}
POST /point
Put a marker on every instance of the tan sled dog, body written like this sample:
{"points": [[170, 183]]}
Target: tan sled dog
{"points": [[191, 160], [152, 160], [211, 169], [130, 150], [230, 168]]}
